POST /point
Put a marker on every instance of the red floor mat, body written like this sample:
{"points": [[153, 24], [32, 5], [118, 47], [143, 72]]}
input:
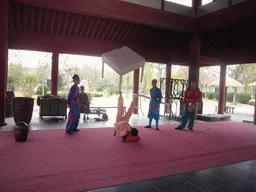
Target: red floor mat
{"points": [[51, 160]]}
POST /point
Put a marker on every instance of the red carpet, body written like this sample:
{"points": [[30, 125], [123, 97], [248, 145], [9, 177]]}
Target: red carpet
{"points": [[51, 160]]}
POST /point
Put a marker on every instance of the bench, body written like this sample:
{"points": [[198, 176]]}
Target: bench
{"points": [[228, 109]]}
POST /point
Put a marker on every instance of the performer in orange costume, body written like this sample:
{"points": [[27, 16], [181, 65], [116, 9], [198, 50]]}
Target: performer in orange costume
{"points": [[192, 95], [122, 126]]}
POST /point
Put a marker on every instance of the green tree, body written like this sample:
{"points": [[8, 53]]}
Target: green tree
{"points": [[67, 68], [28, 84], [61, 83], [245, 73]]}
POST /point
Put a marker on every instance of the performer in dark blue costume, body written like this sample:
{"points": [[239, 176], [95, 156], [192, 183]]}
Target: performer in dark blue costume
{"points": [[73, 102], [154, 104]]}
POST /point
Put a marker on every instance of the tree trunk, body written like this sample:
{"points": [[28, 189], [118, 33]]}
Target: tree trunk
{"points": [[234, 98]]}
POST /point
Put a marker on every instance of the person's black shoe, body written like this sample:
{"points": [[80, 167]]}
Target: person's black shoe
{"points": [[157, 129], [148, 126], [69, 132], [178, 128], [76, 130], [190, 129]]}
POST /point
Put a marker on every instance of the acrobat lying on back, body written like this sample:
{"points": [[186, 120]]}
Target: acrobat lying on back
{"points": [[122, 126]]}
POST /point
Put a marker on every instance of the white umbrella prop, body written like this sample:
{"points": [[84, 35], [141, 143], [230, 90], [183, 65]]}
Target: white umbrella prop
{"points": [[122, 61]]}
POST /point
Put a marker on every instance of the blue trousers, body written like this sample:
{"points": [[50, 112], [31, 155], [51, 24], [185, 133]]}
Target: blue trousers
{"points": [[185, 118]]}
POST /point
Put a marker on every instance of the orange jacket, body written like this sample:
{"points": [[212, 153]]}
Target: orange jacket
{"points": [[196, 95]]}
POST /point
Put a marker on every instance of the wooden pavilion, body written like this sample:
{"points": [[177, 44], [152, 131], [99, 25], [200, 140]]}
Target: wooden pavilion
{"points": [[219, 33]]}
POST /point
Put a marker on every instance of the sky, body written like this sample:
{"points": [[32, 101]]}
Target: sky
{"points": [[31, 59]]}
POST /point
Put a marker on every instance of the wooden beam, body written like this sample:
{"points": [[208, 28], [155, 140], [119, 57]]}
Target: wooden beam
{"points": [[204, 60], [119, 10], [224, 17], [82, 46]]}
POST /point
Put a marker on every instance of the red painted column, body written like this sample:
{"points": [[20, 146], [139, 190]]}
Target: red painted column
{"points": [[255, 107], [196, 3], [136, 81], [3, 57], [167, 86], [55, 72], [222, 90], [194, 59]]}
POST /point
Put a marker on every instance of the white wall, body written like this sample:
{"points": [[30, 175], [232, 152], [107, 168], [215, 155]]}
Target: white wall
{"points": [[212, 7], [148, 3], [179, 9]]}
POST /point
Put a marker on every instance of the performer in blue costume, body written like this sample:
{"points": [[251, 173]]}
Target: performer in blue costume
{"points": [[154, 104], [73, 102]]}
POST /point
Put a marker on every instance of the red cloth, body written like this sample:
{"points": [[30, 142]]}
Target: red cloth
{"points": [[133, 138], [83, 98], [196, 95], [6, 96]]}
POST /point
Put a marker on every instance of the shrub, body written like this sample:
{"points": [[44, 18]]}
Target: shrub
{"points": [[97, 94], [216, 96], [210, 95], [230, 97], [251, 102], [39, 89], [89, 96], [99, 89], [243, 97], [203, 94]]}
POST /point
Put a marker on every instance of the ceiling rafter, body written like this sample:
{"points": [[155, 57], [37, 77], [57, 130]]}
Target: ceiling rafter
{"points": [[65, 23], [95, 30], [117, 31], [118, 39], [148, 41], [90, 27], [137, 34], [109, 24], [131, 26], [150, 29], [10, 18], [54, 15], [47, 15], [58, 22], [82, 26], [111, 31], [77, 24], [132, 34], [39, 19], [18, 16], [142, 35]]}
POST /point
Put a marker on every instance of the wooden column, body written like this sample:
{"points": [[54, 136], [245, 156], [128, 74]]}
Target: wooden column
{"points": [[136, 81], [255, 107], [167, 86], [194, 57], [196, 3], [3, 57], [55, 72], [222, 90]]}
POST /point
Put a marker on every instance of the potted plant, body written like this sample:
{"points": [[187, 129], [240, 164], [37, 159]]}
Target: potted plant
{"points": [[23, 106]]}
